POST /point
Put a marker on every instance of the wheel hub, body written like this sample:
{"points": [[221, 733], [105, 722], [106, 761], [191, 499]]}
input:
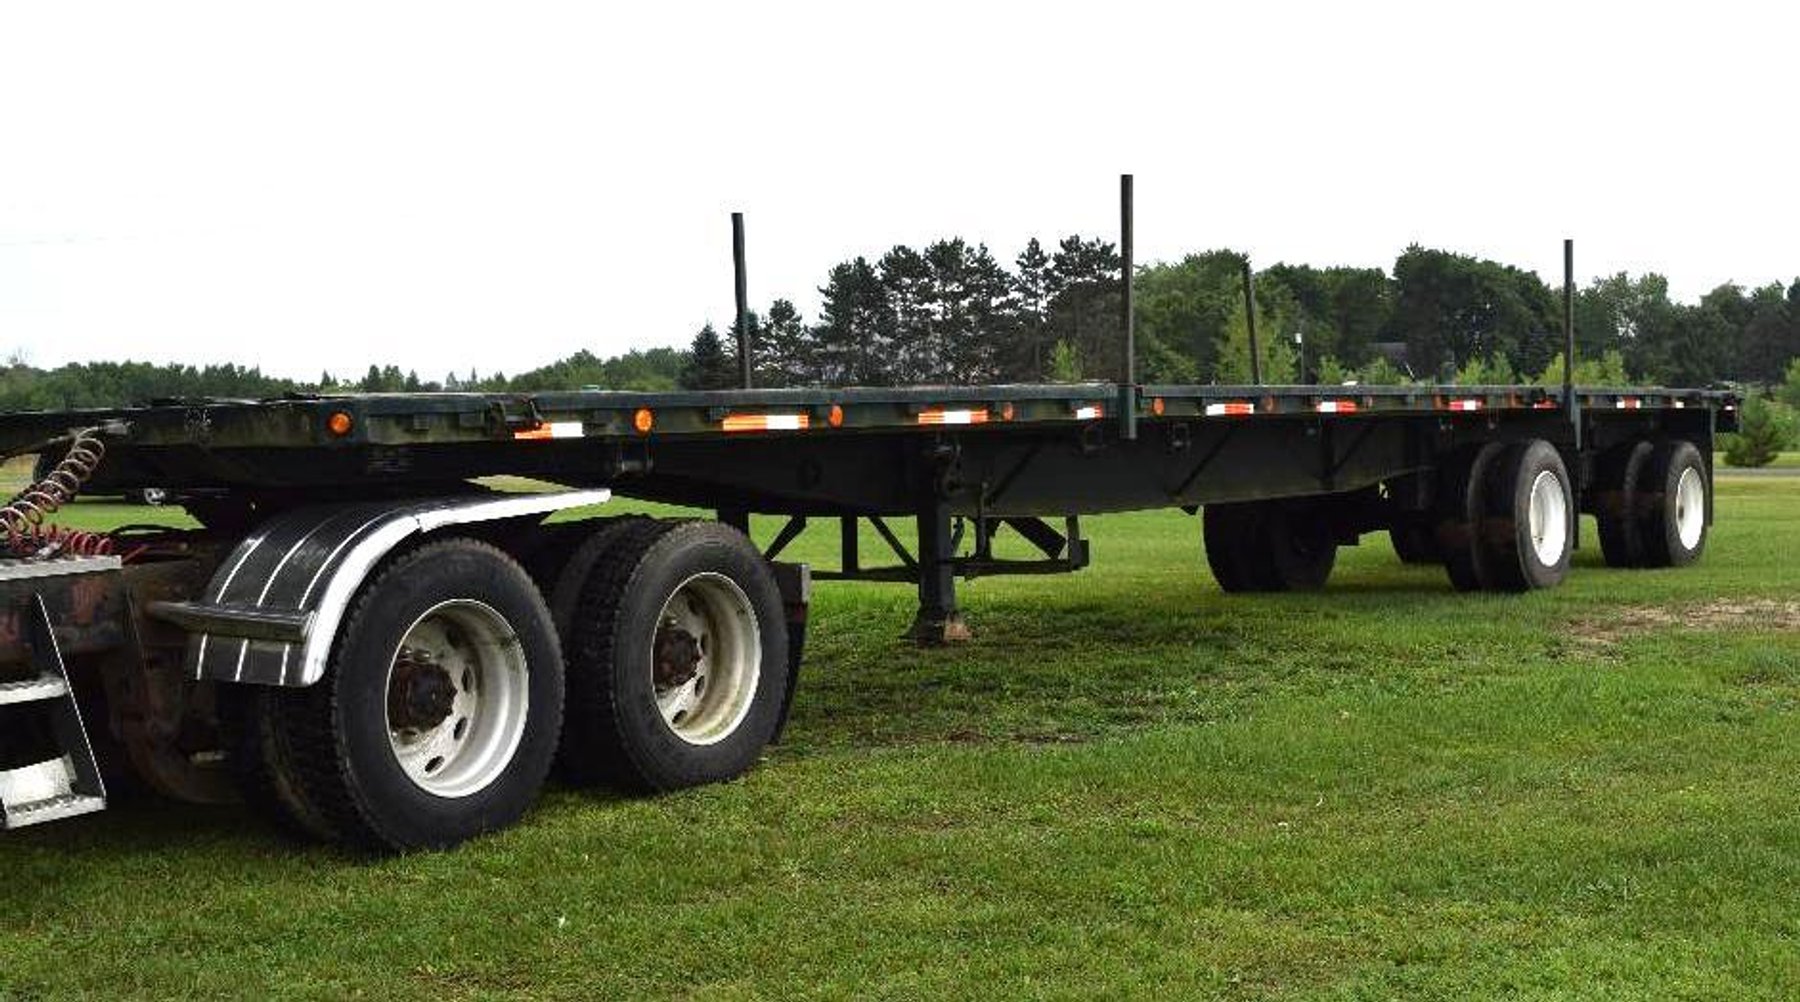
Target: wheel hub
{"points": [[677, 656], [420, 692]]}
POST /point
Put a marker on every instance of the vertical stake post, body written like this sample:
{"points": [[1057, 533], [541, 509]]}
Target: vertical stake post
{"points": [[743, 298], [1570, 403], [1250, 319], [1128, 403]]}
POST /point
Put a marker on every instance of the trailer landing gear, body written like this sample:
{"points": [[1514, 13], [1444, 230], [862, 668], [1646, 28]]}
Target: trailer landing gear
{"points": [[938, 621]]}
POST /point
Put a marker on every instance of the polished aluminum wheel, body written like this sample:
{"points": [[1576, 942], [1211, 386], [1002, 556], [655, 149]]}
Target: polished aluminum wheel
{"points": [[707, 659], [457, 694]]}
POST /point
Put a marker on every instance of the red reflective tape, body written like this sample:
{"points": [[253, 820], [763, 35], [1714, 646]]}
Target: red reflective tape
{"points": [[1335, 407], [1234, 408]]}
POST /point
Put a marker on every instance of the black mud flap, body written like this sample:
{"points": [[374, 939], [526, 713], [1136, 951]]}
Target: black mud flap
{"points": [[795, 582]]}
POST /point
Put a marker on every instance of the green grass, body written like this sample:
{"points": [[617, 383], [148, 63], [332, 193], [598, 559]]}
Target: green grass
{"points": [[1782, 461], [1128, 785]]}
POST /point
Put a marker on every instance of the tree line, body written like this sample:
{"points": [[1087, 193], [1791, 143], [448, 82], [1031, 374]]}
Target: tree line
{"points": [[952, 313], [113, 384]]}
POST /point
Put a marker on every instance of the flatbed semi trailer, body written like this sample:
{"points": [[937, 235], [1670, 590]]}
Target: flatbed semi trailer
{"points": [[373, 647]]}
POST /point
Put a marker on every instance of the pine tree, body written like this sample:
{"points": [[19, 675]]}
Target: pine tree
{"points": [[709, 367], [994, 319], [1084, 301], [1027, 359], [1275, 354], [907, 287], [783, 350], [852, 342]]}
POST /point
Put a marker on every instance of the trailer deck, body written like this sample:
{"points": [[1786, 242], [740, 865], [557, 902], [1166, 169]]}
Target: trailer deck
{"points": [[648, 445]]}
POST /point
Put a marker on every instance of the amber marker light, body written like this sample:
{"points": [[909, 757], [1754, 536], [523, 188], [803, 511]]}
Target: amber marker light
{"points": [[339, 423], [643, 420], [1006, 411], [835, 416], [1156, 406]]}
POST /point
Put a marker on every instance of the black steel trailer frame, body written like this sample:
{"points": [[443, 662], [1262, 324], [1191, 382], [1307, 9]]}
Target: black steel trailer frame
{"points": [[991, 456]]}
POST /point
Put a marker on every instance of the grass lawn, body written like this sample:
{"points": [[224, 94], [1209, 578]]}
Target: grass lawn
{"points": [[1127, 785], [1782, 461]]}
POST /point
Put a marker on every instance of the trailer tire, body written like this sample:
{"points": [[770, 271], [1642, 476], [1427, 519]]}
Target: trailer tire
{"points": [[565, 594], [1462, 497], [1619, 503], [263, 764], [1675, 503], [678, 665], [1229, 532], [1415, 540], [469, 762], [1268, 546], [1529, 531]]}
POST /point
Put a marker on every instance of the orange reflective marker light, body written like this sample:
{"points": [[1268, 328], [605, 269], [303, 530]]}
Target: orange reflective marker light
{"points": [[643, 420], [835, 416], [1006, 411], [1156, 406], [339, 423]]}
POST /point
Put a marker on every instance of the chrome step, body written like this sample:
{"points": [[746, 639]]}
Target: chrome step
{"points": [[38, 812], [69, 784], [33, 690]]}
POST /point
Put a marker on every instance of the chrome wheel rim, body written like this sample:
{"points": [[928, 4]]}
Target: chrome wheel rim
{"points": [[706, 659], [1549, 518], [458, 689], [1690, 507]]}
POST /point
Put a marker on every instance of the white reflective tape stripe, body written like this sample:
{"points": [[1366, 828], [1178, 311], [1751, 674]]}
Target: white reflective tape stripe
{"points": [[767, 422], [1087, 413], [1680, 404], [565, 429], [953, 417]]}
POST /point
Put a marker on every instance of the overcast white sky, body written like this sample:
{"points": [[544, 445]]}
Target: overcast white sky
{"points": [[446, 186]]}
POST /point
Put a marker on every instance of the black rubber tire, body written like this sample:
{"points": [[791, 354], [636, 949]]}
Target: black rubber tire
{"points": [[1618, 503], [1511, 558], [564, 599], [1230, 532], [1462, 500], [616, 734], [1415, 540], [336, 729], [1268, 546], [1659, 524], [1301, 552], [263, 765], [565, 593]]}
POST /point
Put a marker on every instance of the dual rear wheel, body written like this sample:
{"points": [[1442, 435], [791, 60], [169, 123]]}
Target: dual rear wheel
{"points": [[1505, 521], [1653, 504], [658, 662], [1506, 517]]}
